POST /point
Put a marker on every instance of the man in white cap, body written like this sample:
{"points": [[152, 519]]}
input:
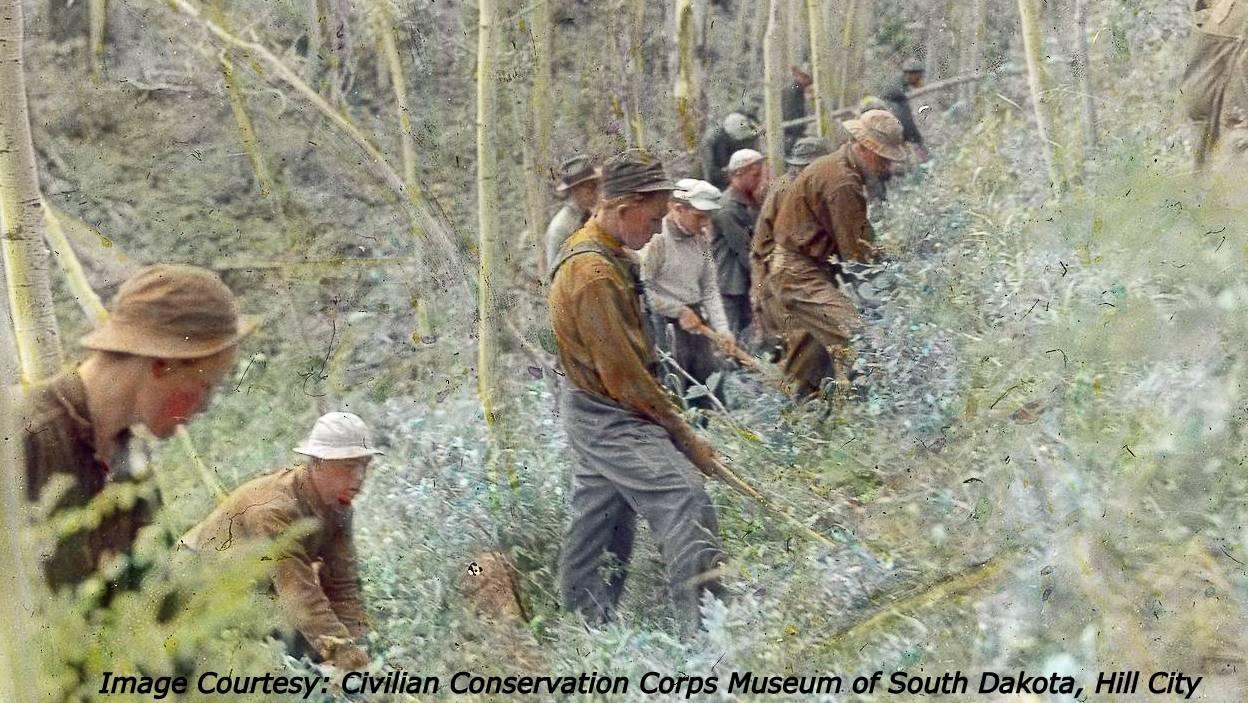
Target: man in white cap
{"points": [[315, 580], [821, 216], [736, 132], [681, 283], [734, 228]]}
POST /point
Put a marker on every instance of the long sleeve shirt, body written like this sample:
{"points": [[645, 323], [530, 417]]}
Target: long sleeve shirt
{"points": [[569, 219], [315, 578], [730, 245], [824, 212], [595, 310], [896, 95], [678, 272]]}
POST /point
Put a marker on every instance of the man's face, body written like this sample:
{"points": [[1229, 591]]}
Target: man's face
{"points": [[749, 180], [914, 78], [875, 164], [690, 219], [638, 221], [172, 391], [585, 195], [338, 481]]}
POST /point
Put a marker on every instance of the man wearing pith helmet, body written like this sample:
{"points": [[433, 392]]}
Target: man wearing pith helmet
{"points": [[824, 215], [170, 338], [315, 579]]}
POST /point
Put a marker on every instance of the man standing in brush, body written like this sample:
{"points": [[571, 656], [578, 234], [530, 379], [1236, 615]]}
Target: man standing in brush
{"points": [[633, 451]]}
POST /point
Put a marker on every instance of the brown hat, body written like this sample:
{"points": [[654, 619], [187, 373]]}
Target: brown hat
{"points": [[879, 131], [172, 312], [575, 171], [633, 171]]}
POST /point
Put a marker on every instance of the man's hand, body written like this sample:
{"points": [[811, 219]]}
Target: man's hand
{"points": [[689, 320], [702, 455], [349, 657]]}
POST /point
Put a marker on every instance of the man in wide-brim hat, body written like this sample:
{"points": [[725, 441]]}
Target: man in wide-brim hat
{"points": [[822, 216], [578, 186], [170, 338], [315, 579]]}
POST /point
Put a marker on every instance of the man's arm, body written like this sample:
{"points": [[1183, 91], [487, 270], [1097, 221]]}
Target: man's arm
{"points": [[712, 301], [653, 256], [619, 353], [843, 212], [340, 580]]}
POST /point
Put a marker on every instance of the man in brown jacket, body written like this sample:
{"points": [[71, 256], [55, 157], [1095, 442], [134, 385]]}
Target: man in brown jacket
{"points": [[169, 340], [634, 453], [315, 579], [824, 215]]}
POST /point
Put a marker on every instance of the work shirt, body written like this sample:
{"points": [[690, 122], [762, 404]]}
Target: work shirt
{"points": [[595, 310], [324, 607], [895, 93], [678, 272], [569, 219], [824, 212], [716, 150], [734, 227], [59, 440]]}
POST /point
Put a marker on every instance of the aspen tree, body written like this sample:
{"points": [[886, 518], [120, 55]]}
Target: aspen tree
{"points": [[773, 56], [1040, 93], [690, 73], [820, 67], [98, 22], [537, 143], [21, 214], [1087, 104]]}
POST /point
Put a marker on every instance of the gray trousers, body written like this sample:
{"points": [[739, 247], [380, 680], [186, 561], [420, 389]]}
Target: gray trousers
{"points": [[625, 466]]}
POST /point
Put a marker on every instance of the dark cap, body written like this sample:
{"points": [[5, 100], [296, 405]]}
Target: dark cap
{"points": [[633, 171], [808, 149], [575, 171]]}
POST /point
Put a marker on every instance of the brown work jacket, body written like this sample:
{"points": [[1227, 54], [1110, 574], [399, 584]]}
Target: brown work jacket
{"points": [[596, 314], [315, 580], [59, 441], [824, 213]]}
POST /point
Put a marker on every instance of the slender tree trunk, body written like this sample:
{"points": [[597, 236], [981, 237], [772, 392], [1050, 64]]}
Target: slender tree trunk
{"points": [[75, 275], [820, 67], [864, 25], [537, 144], [690, 76], [315, 22], [21, 216], [635, 68], [246, 131], [1037, 80], [98, 21], [935, 34], [1083, 79], [398, 85], [773, 56], [979, 22], [17, 680], [487, 226], [794, 36], [849, 52]]}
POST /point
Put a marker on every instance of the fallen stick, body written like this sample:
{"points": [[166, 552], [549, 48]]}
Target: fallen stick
{"points": [[729, 347], [735, 482]]}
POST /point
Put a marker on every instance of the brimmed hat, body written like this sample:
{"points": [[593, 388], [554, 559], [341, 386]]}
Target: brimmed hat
{"points": [[879, 131], [172, 312], [633, 171], [742, 158], [338, 435], [575, 171], [808, 149], [697, 194]]}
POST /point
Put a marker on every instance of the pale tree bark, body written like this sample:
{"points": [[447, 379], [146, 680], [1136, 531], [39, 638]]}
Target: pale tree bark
{"points": [[820, 67], [21, 215], [864, 25], [849, 52], [389, 46], [773, 56], [975, 47], [795, 33], [635, 68], [17, 678], [537, 143], [933, 42], [246, 131], [1083, 85], [690, 84], [1037, 80], [98, 23]]}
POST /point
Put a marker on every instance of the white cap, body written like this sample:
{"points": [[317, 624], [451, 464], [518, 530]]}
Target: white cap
{"points": [[697, 194], [742, 158], [338, 436], [739, 127]]}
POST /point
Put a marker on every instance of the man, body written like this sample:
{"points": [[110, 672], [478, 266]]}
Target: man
{"points": [[315, 578], [1215, 87], [734, 227], [896, 95], [721, 141], [634, 453], [806, 150], [681, 285], [170, 338], [823, 214], [578, 185], [793, 103]]}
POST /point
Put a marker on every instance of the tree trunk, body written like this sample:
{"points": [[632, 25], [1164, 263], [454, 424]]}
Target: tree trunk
{"points": [[1037, 80], [21, 216], [487, 221], [537, 144], [690, 85], [849, 52], [75, 274], [975, 49], [773, 56], [398, 85], [794, 38], [246, 131], [17, 682], [98, 11], [1083, 79], [820, 68], [635, 68]]}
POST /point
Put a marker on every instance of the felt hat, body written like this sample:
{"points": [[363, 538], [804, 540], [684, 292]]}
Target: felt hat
{"points": [[879, 131], [575, 171], [338, 435], [170, 311], [742, 158], [633, 171], [807, 149]]}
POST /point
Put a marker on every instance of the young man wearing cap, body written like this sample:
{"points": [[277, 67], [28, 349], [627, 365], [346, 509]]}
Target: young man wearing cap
{"points": [[315, 581], [578, 185], [766, 316], [170, 338], [681, 283], [896, 94], [736, 132], [634, 453], [824, 215], [734, 227]]}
